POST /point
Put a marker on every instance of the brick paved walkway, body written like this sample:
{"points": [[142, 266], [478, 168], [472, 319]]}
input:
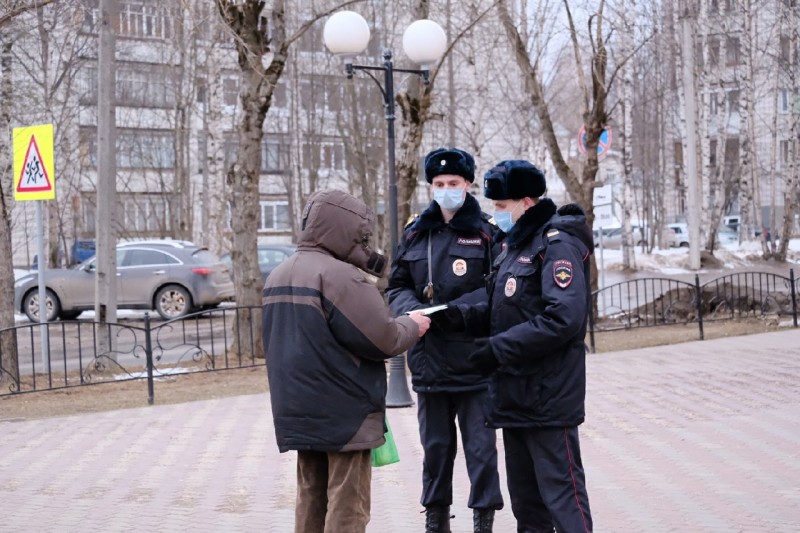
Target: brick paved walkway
{"points": [[697, 437]]}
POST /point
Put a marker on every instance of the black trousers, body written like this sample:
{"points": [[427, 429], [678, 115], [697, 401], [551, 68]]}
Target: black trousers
{"points": [[437, 413], [546, 481]]}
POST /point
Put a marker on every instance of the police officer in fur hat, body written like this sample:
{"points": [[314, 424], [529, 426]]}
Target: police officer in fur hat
{"points": [[442, 259], [534, 350]]}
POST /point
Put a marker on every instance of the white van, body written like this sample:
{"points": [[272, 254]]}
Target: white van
{"points": [[679, 234]]}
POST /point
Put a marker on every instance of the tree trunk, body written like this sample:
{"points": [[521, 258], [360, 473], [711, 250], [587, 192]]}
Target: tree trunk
{"points": [[9, 372], [263, 50], [793, 172], [628, 240], [580, 189]]}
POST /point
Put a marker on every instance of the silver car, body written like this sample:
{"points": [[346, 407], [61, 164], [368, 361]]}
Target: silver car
{"points": [[172, 277]]}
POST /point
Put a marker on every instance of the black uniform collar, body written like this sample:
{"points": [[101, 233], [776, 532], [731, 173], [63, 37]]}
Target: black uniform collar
{"points": [[466, 220], [531, 222]]}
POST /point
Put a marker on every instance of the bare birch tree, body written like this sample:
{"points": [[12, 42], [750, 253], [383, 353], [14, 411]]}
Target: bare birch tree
{"points": [[9, 375], [262, 43], [595, 92], [792, 184], [628, 11]]}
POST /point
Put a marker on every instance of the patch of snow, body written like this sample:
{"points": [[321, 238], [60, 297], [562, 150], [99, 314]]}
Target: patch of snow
{"points": [[676, 260]]}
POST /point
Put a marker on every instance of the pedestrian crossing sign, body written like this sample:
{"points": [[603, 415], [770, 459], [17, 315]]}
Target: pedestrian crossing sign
{"points": [[34, 168]]}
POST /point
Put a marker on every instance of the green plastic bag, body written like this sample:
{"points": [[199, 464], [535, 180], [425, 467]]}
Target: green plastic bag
{"points": [[386, 453]]}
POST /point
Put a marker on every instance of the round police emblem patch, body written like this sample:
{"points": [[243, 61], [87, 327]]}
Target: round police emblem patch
{"points": [[511, 286], [562, 273], [459, 267]]}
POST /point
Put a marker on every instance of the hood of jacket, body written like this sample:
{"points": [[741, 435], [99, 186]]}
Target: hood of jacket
{"points": [[342, 225], [575, 224], [544, 213]]}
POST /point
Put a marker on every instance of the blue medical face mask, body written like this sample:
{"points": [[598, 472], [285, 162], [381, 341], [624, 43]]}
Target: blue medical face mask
{"points": [[504, 220], [449, 199]]}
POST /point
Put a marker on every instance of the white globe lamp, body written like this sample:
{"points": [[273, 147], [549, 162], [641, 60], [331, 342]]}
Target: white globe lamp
{"points": [[424, 42], [346, 34]]}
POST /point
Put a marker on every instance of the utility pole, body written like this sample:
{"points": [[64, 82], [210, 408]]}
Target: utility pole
{"points": [[105, 303], [693, 196]]}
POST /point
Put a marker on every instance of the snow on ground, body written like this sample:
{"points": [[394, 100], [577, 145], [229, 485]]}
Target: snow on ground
{"points": [[676, 260]]}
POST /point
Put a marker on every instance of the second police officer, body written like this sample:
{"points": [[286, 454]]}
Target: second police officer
{"points": [[442, 258], [535, 353]]}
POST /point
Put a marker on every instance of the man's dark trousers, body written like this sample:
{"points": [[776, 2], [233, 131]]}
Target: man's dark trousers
{"points": [[546, 481], [437, 413]]}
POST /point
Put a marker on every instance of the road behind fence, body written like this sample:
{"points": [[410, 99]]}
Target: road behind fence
{"points": [[86, 353]]}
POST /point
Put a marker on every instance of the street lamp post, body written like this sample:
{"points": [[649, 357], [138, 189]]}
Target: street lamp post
{"points": [[346, 34]]}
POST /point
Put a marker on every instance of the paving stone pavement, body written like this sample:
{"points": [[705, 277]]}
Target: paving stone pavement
{"points": [[697, 437]]}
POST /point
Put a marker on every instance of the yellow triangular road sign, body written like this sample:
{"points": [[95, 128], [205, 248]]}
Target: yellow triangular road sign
{"points": [[33, 163]]}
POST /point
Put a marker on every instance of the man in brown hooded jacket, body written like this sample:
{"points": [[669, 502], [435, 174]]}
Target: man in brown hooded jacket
{"points": [[327, 331]]}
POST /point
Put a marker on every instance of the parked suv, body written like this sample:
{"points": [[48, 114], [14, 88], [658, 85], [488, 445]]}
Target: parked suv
{"points": [[172, 277], [269, 256], [679, 235]]}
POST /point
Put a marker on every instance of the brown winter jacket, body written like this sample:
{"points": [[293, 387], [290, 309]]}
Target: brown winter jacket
{"points": [[327, 331]]}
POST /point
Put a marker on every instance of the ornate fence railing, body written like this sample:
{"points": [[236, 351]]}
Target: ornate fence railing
{"points": [[78, 353], [650, 302], [63, 354]]}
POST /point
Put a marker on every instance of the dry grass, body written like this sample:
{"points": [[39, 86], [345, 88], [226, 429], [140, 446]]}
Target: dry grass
{"points": [[129, 394], [253, 380]]}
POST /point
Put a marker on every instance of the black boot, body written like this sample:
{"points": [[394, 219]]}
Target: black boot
{"points": [[482, 520], [437, 519]]}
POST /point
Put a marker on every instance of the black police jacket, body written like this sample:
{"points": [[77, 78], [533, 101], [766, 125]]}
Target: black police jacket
{"points": [[460, 258], [537, 317]]}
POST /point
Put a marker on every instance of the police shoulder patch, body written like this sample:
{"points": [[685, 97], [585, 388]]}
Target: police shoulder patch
{"points": [[562, 273]]}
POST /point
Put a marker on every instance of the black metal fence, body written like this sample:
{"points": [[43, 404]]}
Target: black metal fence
{"points": [[650, 302], [65, 354]]}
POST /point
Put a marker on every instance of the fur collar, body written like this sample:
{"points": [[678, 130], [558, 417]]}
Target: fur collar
{"points": [[466, 220], [531, 221]]}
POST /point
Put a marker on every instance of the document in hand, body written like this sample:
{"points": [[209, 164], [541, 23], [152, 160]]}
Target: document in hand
{"points": [[428, 310]]}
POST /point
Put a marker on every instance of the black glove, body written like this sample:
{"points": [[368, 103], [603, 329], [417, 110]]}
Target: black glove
{"points": [[570, 209], [483, 359], [449, 319]]}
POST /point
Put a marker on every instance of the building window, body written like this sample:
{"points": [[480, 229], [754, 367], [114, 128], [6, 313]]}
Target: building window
{"points": [[87, 84], [146, 149], [732, 52], [783, 156], [733, 101], [783, 101], [785, 49], [144, 214], [279, 96], [713, 51], [324, 154], [144, 86], [677, 147], [138, 214], [274, 155], [145, 19], [230, 90], [713, 104], [135, 149], [712, 153], [274, 216]]}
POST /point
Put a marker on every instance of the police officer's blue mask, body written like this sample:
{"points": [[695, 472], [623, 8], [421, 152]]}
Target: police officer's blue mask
{"points": [[449, 199], [504, 219]]}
